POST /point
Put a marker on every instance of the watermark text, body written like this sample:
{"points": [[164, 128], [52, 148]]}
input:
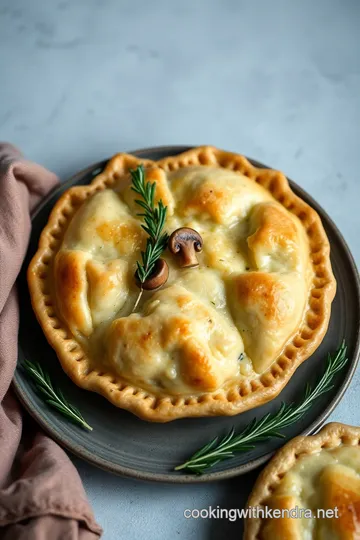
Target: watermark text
{"points": [[259, 512]]}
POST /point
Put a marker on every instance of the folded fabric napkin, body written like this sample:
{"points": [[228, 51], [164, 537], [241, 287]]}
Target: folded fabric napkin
{"points": [[41, 494]]}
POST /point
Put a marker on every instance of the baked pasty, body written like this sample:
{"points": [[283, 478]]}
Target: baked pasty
{"points": [[214, 340], [314, 484]]}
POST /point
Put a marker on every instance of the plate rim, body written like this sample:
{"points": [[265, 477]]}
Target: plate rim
{"points": [[210, 476]]}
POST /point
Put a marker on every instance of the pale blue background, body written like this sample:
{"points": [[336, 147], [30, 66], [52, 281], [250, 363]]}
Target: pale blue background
{"points": [[276, 80]]}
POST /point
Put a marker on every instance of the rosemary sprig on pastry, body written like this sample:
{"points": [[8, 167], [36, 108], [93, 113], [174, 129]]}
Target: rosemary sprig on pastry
{"points": [[266, 427], [154, 216], [53, 396]]}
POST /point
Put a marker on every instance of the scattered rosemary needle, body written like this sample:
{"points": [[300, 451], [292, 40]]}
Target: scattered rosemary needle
{"points": [[53, 396], [154, 217], [266, 427]]}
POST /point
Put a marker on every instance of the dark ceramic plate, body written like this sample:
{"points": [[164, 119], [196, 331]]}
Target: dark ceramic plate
{"points": [[123, 444]]}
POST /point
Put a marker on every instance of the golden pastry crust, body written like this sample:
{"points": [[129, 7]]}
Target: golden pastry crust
{"points": [[67, 319], [335, 453]]}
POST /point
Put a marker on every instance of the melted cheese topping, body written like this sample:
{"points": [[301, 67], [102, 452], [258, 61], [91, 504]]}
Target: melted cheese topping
{"points": [[267, 309], [226, 320], [326, 480], [177, 342]]}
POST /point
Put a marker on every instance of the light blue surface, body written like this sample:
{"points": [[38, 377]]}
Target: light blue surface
{"points": [[278, 81]]}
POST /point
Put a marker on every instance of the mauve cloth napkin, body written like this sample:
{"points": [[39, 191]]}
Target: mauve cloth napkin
{"points": [[41, 494]]}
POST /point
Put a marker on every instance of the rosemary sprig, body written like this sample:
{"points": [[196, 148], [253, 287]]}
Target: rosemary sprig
{"points": [[154, 217], [53, 396], [266, 427]]}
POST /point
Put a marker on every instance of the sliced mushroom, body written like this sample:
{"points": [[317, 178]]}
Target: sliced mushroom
{"points": [[157, 278], [185, 242]]}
